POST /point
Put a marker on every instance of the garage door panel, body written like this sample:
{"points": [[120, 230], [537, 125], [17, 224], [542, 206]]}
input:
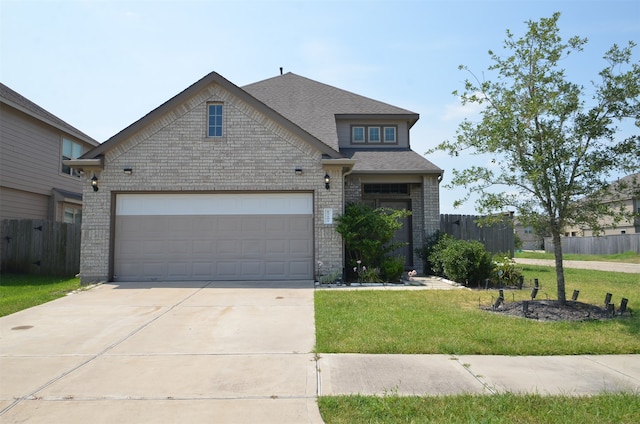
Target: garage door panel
{"points": [[276, 247], [227, 248], [220, 246]]}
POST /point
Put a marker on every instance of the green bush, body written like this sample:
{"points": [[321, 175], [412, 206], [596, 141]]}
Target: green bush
{"points": [[426, 250], [436, 257], [465, 262], [368, 233], [392, 268]]}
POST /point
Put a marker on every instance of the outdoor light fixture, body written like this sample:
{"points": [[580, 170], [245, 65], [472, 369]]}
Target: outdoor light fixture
{"points": [[94, 183], [128, 171], [298, 171], [327, 181]]}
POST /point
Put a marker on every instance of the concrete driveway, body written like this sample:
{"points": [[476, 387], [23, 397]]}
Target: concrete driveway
{"points": [[163, 353]]}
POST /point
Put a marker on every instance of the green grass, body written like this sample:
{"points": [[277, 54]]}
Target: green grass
{"points": [[629, 257], [496, 409], [451, 322], [18, 292]]}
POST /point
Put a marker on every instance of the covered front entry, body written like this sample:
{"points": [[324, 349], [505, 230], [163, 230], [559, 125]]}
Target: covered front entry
{"points": [[205, 236]]}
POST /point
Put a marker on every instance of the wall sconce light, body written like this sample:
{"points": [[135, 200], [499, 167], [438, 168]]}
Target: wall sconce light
{"points": [[440, 178], [128, 171], [298, 171], [327, 181], [94, 183]]}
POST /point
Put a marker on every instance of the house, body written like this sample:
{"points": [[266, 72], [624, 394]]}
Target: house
{"points": [[34, 181], [244, 183], [528, 238], [627, 197]]}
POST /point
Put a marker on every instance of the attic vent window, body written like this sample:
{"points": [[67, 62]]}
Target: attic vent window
{"points": [[386, 189], [215, 114]]}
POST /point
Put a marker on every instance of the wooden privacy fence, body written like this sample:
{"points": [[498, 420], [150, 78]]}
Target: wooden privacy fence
{"points": [[41, 247], [497, 238], [603, 245]]}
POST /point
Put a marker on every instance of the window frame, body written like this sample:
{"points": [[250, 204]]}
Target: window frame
{"points": [[75, 213], [359, 140], [367, 130], [64, 169], [217, 127], [384, 134]]}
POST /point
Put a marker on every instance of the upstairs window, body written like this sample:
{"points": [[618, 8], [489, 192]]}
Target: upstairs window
{"points": [[70, 150], [389, 134], [357, 135], [373, 134], [214, 120]]}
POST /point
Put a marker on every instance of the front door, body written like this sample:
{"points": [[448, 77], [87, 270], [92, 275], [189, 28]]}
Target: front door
{"points": [[404, 233]]}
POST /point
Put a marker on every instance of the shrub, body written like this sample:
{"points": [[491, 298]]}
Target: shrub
{"points": [[392, 268], [436, 257], [426, 250], [368, 233], [465, 262]]}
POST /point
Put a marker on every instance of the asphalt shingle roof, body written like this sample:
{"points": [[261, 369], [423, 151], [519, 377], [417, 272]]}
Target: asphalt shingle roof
{"points": [[13, 99], [313, 106], [398, 161]]}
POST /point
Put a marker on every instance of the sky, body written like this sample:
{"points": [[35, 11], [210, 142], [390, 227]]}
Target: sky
{"points": [[102, 65]]}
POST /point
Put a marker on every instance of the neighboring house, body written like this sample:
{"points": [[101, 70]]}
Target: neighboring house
{"points": [[230, 183], [527, 235], [628, 198], [34, 182]]}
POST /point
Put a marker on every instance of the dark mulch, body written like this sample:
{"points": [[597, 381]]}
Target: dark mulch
{"points": [[551, 310]]}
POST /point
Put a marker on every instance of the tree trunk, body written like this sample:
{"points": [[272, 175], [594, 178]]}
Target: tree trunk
{"points": [[557, 248]]}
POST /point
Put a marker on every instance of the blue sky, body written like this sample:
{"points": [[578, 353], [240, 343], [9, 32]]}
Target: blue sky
{"points": [[102, 65]]}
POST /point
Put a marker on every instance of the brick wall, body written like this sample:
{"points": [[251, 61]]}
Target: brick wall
{"points": [[173, 154]]}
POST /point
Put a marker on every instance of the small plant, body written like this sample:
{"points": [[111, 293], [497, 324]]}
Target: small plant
{"points": [[505, 271], [367, 275], [392, 268], [326, 277]]}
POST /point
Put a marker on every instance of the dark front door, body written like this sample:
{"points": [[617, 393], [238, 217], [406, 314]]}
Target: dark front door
{"points": [[403, 234]]}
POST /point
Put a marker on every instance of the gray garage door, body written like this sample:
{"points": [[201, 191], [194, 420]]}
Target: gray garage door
{"points": [[181, 237]]}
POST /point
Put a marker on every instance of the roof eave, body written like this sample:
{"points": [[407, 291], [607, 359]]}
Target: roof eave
{"points": [[76, 134]]}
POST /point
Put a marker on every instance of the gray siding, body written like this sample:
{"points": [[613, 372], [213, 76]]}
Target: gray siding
{"points": [[344, 133], [16, 204], [30, 164]]}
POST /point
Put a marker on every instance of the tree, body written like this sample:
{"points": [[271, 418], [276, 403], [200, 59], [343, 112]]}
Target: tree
{"points": [[549, 146]]}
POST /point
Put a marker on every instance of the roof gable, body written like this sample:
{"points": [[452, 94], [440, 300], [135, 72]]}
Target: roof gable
{"points": [[21, 103], [202, 84], [314, 106]]}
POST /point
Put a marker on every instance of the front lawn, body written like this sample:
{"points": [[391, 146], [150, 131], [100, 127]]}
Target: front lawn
{"points": [[496, 409], [18, 292], [451, 322]]}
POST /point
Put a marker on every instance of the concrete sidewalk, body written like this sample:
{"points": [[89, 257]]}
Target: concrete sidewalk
{"points": [[417, 375], [594, 265], [134, 353]]}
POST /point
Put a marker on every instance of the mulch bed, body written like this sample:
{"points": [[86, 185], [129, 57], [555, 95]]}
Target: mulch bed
{"points": [[551, 310]]}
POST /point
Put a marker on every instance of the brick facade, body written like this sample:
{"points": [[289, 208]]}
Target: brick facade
{"points": [[172, 154]]}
